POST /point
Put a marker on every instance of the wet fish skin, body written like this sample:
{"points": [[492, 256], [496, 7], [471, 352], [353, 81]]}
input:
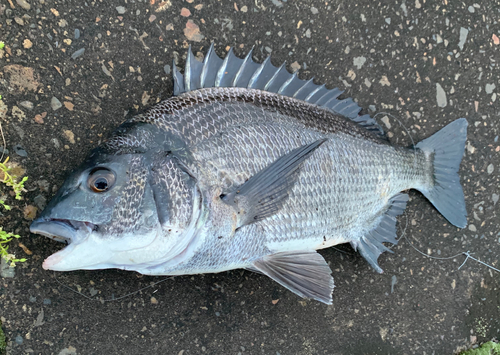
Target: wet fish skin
{"points": [[220, 178]]}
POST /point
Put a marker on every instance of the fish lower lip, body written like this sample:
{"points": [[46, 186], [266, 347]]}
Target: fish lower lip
{"points": [[61, 230]]}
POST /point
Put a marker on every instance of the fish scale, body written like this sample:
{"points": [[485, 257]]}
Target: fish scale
{"points": [[333, 185], [248, 166]]}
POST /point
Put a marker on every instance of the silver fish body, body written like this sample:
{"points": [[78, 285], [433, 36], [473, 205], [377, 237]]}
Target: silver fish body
{"points": [[248, 167]]}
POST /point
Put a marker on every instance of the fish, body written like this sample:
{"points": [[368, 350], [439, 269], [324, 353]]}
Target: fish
{"points": [[247, 166]]}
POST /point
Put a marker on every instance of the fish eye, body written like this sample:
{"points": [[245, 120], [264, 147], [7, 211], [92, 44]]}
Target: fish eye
{"points": [[101, 180]]}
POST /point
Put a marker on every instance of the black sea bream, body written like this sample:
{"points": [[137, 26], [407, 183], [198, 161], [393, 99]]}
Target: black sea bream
{"points": [[248, 167]]}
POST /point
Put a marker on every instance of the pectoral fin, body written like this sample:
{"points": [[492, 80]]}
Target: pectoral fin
{"points": [[264, 193], [305, 273]]}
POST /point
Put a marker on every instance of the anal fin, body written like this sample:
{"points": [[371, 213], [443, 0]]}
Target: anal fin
{"points": [[370, 245], [305, 273]]}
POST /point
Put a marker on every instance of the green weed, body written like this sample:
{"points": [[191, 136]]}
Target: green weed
{"points": [[11, 181], [489, 348]]}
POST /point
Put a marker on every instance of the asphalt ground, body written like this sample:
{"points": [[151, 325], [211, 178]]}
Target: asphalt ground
{"points": [[417, 65]]}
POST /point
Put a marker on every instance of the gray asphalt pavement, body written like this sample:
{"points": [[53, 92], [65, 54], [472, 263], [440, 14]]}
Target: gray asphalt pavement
{"points": [[72, 71]]}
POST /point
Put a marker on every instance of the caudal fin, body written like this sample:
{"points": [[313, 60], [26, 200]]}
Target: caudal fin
{"points": [[446, 148]]}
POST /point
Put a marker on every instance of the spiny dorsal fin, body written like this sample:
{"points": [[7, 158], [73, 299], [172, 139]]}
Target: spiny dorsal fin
{"points": [[246, 73]]}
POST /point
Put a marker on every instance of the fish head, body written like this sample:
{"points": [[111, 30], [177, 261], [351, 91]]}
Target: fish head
{"points": [[116, 211]]}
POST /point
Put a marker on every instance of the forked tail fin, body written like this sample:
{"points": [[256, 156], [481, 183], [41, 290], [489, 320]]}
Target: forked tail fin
{"points": [[446, 148]]}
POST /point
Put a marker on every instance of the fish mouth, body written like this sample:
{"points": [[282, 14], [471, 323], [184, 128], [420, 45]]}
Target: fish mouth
{"points": [[67, 231], [61, 230]]}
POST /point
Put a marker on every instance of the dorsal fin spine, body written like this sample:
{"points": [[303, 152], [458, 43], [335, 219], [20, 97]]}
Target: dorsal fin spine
{"points": [[220, 73], [303, 86], [246, 73], [312, 93], [178, 80], [274, 76], [242, 67], [255, 75], [286, 83], [204, 70], [187, 70]]}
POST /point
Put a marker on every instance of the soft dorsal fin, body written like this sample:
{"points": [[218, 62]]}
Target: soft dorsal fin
{"points": [[370, 245], [246, 73]]}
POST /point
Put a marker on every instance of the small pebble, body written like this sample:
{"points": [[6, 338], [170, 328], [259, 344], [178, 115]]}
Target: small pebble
{"points": [[55, 103], [40, 201], [440, 96], [463, 37], [386, 121], [489, 88], [24, 4], [19, 340], [78, 53], [121, 10], [388, 20], [314, 10], [490, 168], [19, 21], [358, 62], [394, 281], [27, 104], [471, 9], [166, 68], [56, 143], [20, 151], [77, 33], [47, 301], [217, 314], [27, 44], [32, 299]]}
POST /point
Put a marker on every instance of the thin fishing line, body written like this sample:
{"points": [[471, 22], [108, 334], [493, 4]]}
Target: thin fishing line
{"points": [[467, 254], [407, 131], [114, 298]]}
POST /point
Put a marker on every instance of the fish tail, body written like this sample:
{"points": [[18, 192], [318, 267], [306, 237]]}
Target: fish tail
{"points": [[445, 149]]}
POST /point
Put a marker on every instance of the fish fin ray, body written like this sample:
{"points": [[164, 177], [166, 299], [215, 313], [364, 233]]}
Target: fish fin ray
{"points": [[235, 72], [245, 71], [305, 273], [211, 65], [370, 245], [264, 193], [192, 72], [446, 194], [178, 80], [228, 70]]}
